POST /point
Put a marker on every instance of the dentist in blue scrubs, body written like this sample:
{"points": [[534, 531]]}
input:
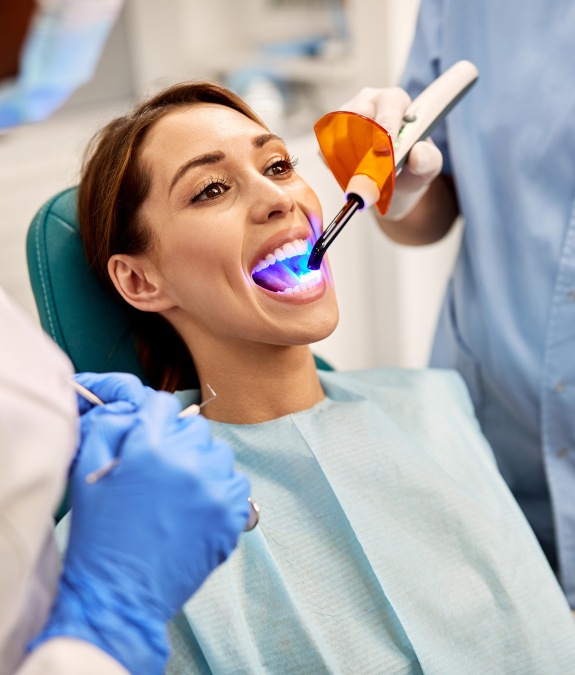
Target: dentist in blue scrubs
{"points": [[508, 317]]}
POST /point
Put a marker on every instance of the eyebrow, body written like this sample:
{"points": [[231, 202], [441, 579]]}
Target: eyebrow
{"points": [[216, 157]]}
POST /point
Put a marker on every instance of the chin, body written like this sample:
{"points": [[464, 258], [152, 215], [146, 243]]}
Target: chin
{"points": [[315, 331]]}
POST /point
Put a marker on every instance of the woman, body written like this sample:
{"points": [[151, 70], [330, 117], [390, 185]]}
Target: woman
{"points": [[388, 541]]}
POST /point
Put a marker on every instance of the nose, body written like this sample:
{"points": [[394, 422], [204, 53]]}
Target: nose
{"points": [[271, 200]]}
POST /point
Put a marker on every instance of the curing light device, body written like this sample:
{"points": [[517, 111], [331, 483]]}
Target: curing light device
{"points": [[361, 154]]}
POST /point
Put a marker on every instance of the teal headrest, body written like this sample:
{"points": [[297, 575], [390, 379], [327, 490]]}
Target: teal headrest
{"points": [[88, 323]]}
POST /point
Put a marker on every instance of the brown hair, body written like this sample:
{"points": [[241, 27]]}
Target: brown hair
{"points": [[113, 186]]}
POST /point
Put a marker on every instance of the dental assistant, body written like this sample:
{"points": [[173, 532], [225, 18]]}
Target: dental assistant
{"points": [[508, 317], [59, 54], [143, 538]]}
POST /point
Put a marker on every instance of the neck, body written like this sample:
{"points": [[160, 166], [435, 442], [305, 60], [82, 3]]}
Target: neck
{"points": [[258, 383]]}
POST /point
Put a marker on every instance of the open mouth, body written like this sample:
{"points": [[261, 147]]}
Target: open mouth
{"points": [[285, 269]]}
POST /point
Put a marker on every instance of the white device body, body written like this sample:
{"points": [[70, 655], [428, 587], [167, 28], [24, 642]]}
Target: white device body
{"points": [[419, 119], [431, 106]]}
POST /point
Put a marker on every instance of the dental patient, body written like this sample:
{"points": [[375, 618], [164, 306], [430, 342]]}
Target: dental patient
{"points": [[388, 542]]}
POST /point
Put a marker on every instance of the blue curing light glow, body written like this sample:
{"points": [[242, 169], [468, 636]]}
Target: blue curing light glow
{"points": [[299, 267], [287, 273], [308, 275]]}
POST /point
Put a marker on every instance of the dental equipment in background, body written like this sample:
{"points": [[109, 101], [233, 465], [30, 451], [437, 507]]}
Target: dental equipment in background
{"points": [[361, 155], [190, 411]]}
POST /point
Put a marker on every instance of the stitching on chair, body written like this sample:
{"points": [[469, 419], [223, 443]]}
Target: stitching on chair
{"points": [[40, 268]]}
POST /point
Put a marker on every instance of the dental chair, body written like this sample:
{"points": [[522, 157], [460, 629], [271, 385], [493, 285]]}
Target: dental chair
{"points": [[75, 310]]}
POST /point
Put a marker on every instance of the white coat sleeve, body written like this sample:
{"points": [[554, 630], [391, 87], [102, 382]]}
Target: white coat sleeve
{"points": [[37, 442], [68, 656]]}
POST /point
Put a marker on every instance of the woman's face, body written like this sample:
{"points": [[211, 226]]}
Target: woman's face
{"points": [[230, 220]]}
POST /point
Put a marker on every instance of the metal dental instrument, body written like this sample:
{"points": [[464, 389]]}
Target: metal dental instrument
{"points": [[195, 408], [362, 157], [94, 476], [190, 411], [86, 393]]}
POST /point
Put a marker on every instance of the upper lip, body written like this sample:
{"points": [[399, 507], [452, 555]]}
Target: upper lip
{"points": [[278, 240]]}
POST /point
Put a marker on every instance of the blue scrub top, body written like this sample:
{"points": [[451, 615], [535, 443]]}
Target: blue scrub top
{"points": [[508, 321]]}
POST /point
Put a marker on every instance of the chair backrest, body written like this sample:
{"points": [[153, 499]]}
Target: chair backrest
{"points": [[90, 325], [75, 310]]}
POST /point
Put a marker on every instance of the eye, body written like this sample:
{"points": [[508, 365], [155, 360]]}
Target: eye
{"points": [[211, 189], [281, 167]]}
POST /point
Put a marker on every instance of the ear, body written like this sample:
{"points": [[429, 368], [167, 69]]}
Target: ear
{"points": [[138, 283]]}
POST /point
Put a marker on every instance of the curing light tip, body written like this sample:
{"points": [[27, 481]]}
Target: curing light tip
{"points": [[353, 203]]}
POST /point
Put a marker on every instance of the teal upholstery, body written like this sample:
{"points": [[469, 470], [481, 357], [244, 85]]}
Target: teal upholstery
{"points": [[90, 325]]}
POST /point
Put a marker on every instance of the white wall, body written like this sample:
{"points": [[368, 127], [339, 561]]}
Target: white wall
{"points": [[389, 295]]}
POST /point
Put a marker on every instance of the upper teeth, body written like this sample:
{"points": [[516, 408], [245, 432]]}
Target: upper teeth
{"points": [[289, 250]]}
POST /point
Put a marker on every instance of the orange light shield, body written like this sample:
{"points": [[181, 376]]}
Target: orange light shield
{"points": [[353, 144]]}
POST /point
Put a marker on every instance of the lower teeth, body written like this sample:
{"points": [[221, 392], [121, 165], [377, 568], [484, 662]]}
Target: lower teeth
{"points": [[299, 288]]}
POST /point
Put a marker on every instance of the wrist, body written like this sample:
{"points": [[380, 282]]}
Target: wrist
{"points": [[89, 610]]}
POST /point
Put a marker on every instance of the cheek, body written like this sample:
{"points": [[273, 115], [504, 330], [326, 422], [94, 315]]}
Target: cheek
{"points": [[310, 205], [196, 261], [181, 261]]}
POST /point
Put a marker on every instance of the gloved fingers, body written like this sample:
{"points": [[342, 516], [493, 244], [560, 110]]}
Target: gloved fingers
{"points": [[386, 106], [103, 431], [157, 422], [232, 497], [424, 160], [224, 511], [218, 459], [423, 165], [192, 447], [110, 387], [239, 489], [149, 391], [92, 415]]}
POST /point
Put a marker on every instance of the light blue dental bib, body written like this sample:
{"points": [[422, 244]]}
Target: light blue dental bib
{"points": [[388, 543]]}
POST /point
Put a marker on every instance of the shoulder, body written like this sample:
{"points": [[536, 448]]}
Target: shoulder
{"points": [[430, 405], [410, 379], [426, 388]]}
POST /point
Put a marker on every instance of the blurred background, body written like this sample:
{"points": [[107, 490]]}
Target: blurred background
{"points": [[293, 61]]}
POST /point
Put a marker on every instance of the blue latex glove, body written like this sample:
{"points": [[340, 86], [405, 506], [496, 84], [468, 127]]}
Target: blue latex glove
{"points": [[145, 536], [112, 388], [123, 392]]}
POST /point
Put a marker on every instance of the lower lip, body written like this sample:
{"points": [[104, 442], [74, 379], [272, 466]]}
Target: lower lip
{"points": [[300, 298]]}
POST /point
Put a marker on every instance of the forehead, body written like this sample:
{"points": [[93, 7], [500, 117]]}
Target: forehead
{"points": [[198, 129]]}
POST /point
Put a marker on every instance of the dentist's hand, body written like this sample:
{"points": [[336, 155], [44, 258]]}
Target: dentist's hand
{"points": [[387, 107], [121, 392], [146, 535], [111, 388]]}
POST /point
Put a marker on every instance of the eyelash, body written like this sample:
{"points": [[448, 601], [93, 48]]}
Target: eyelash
{"points": [[206, 185], [288, 160]]}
